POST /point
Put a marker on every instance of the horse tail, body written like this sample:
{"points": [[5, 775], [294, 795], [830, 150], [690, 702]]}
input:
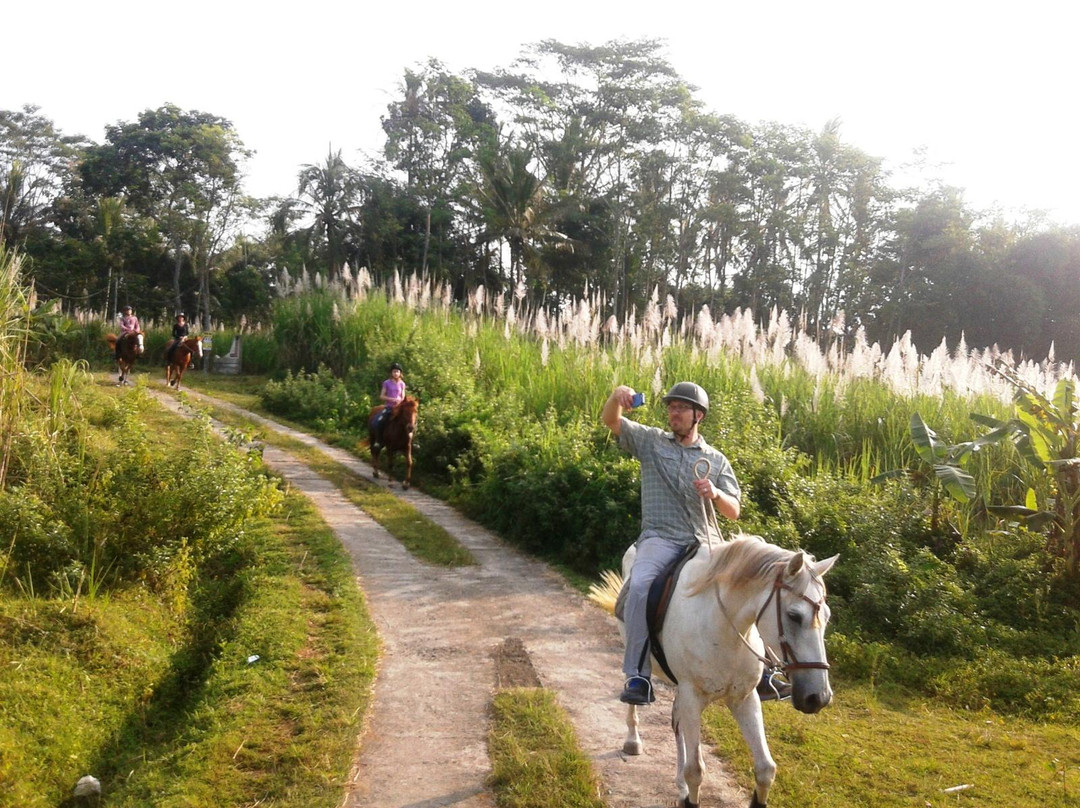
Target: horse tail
{"points": [[111, 339], [605, 594]]}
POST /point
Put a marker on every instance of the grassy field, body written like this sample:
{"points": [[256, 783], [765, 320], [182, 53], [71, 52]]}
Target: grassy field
{"points": [[887, 750], [251, 691]]}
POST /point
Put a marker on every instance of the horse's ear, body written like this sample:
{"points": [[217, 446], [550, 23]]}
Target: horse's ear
{"points": [[822, 567], [795, 564]]}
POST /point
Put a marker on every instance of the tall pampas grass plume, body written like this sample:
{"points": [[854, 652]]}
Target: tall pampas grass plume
{"points": [[605, 593]]}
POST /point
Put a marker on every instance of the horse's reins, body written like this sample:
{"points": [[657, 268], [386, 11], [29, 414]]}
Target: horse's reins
{"points": [[706, 504]]}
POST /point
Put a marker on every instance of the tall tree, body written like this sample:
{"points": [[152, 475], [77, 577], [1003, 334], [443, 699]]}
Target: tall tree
{"points": [[183, 170], [773, 173], [330, 194], [590, 115], [1048, 262], [845, 203], [433, 134], [515, 209], [35, 162], [924, 270]]}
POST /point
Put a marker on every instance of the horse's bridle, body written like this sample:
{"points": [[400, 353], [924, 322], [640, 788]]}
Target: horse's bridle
{"points": [[785, 648], [788, 661]]}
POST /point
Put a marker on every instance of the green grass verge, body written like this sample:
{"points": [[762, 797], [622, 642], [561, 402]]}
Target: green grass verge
{"points": [[422, 537], [280, 729], [243, 391], [869, 749], [536, 762], [72, 676]]}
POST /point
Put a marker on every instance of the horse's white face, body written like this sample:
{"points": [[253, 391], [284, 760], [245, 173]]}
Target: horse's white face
{"points": [[139, 342], [794, 627], [198, 348]]}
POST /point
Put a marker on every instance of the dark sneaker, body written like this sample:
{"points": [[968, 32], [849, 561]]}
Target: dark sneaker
{"points": [[638, 690], [773, 688]]}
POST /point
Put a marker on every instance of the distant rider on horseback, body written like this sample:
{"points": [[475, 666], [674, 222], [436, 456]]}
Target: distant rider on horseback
{"points": [[672, 510], [179, 334], [391, 394], [129, 324]]}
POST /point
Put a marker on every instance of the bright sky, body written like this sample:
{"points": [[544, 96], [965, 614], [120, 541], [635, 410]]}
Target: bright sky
{"points": [[989, 90]]}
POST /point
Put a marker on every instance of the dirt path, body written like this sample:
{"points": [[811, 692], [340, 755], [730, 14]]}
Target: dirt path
{"points": [[449, 636]]}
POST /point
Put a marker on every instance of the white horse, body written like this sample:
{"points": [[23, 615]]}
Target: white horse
{"points": [[730, 605]]}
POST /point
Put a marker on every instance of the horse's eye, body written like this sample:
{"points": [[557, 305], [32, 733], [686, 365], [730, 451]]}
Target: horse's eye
{"points": [[795, 617]]}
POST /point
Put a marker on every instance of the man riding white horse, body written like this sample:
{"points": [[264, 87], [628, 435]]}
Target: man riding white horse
{"points": [[673, 511]]}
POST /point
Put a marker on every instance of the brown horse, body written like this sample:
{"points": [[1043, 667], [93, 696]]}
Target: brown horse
{"points": [[397, 436], [131, 346], [181, 358]]}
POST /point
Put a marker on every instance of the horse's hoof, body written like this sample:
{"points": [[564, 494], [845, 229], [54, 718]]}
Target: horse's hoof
{"points": [[634, 748], [685, 803], [405, 486]]}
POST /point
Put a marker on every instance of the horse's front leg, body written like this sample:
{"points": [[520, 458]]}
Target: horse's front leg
{"points": [[690, 763], [408, 466], [375, 459], [389, 466], [747, 715], [632, 744]]}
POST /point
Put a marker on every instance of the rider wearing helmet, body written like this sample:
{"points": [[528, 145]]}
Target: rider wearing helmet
{"points": [[179, 334], [129, 324], [391, 394], [673, 515]]}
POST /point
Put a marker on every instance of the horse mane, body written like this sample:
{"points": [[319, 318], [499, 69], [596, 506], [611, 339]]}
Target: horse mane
{"points": [[403, 406], [747, 558]]}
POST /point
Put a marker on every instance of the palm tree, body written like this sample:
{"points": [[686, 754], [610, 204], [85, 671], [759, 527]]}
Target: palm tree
{"points": [[110, 218], [329, 193], [515, 208]]}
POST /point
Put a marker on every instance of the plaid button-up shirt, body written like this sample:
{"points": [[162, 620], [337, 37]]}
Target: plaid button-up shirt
{"points": [[670, 505]]}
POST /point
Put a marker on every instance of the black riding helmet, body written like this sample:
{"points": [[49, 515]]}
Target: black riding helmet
{"points": [[396, 366], [126, 309], [690, 393]]}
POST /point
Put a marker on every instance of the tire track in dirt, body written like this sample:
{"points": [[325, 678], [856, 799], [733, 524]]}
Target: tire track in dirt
{"points": [[425, 739]]}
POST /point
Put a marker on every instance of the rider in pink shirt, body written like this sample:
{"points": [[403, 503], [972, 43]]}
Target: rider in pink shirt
{"points": [[129, 324], [393, 389], [391, 394]]}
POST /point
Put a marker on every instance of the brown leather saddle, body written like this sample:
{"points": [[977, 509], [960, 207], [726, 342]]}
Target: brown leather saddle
{"points": [[657, 605]]}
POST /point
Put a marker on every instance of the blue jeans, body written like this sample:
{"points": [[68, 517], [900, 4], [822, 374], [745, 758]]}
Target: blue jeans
{"points": [[654, 555]]}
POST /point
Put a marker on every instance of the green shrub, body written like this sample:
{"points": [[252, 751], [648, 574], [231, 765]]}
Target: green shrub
{"points": [[560, 491], [38, 544], [129, 509], [1035, 688], [316, 398], [258, 353]]}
